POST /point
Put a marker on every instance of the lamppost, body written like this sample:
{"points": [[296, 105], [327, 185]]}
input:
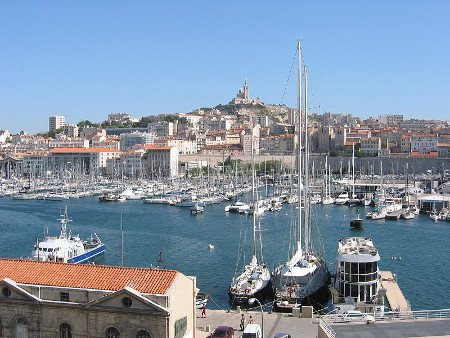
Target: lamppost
{"points": [[253, 300]]}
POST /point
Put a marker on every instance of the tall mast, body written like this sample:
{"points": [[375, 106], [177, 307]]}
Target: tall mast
{"points": [[353, 170], [306, 187], [300, 142], [255, 202]]}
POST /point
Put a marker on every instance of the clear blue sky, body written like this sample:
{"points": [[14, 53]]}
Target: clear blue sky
{"points": [[85, 59]]}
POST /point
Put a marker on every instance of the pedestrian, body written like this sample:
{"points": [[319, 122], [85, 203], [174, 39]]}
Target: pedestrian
{"points": [[250, 321], [242, 322], [204, 311]]}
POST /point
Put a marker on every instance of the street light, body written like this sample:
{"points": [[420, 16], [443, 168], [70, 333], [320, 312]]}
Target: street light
{"points": [[253, 300]]}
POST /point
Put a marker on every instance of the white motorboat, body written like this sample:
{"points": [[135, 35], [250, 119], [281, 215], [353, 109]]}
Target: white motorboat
{"points": [[238, 207], [342, 198], [67, 248], [357, 284]]}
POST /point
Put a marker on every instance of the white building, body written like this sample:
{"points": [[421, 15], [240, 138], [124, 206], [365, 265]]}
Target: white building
{"points": [[128, 140], [69, 143], [120, 118], [160, 161], [161, 129], [71, 130], [184, 146], [424, 144], [88, 160], [55, 122], [4, 135]]}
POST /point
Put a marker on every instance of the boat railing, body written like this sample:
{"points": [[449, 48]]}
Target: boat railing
{"points": [[394, 315]]}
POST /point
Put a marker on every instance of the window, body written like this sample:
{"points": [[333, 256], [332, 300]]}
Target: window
{"points": [[65, 331], [6, 291], [112, 332], [64, 296], [126, 301], [142, 334]]}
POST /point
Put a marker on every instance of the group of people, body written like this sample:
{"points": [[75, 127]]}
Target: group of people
{"points": [[250, 321]]}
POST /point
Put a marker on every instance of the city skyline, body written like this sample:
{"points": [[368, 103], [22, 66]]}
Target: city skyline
{"points": [[85, 60]]}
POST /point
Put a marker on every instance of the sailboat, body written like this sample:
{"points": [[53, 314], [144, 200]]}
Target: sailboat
{"points": [[305, 273], [255, 280]]}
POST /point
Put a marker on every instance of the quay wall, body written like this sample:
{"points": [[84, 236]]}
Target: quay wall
{"points": [[362, 164]]}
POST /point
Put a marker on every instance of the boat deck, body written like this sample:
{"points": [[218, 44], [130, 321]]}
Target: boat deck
{"points": [[394, 295], [395, 214]]}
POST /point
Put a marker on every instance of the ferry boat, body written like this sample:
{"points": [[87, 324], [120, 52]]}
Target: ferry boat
{"points": [[67, 248], [357, 282]]}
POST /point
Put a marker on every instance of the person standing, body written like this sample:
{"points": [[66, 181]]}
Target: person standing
{"points": [[250, 321], [242, 322], [204, 311]]}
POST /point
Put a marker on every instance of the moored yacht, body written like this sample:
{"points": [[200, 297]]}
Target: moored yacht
{"points": [[67, 248], [342, 199], [357, 282]]}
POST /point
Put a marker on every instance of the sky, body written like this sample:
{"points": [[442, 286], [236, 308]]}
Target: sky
{"points": [[86, 59]]}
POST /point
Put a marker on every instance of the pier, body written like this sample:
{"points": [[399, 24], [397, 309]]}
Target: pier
{"points": [[395, 298], [273, 323]]}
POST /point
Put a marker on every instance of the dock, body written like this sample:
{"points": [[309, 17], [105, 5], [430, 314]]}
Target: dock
{"points": [[273, 323], [395, 297]]}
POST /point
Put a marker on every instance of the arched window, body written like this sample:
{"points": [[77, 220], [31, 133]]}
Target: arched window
{"points": [[21, 328], [65, 331], [112, 332], [143, 334]]}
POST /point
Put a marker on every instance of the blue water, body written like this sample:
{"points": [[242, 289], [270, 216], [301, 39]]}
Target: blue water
{"points": [[423, 271]]}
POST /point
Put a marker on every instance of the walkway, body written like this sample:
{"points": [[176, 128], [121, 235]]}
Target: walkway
{"points": [[273, 323], [394, 295]]}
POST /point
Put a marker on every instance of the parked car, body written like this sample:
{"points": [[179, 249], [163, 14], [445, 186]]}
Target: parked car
{"points": [[282, 335], [357, 316], [252, 331], [223, 332]]}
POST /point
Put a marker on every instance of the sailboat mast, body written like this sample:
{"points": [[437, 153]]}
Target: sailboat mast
{"points": [[306, 187], [255, 202], [353, 170], [300, 142]]}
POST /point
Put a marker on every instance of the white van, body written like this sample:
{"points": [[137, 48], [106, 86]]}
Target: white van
{"points": [[357, 316], [252, 331]]}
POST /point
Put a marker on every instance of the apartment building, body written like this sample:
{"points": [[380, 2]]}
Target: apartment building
{"points": [[160, 161], [370, 146], [55, 122]]}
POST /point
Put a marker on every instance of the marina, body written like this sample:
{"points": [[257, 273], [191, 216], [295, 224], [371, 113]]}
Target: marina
{"points": [[185, 241]]}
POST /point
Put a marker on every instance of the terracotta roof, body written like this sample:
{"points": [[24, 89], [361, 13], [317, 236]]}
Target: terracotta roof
{"points": [[418, 154], [83, 150], [156, 147], [100, 277]]}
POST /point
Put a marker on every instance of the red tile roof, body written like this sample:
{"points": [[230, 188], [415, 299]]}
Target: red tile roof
{"points": [[156, 147], [112, 278], [84, 150]]}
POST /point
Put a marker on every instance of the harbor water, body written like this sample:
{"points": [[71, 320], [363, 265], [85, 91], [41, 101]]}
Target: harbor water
{"points": [[416, 250]]}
